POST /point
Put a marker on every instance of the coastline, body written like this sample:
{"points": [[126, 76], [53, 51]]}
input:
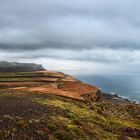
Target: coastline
{"points": [[113, 97]]}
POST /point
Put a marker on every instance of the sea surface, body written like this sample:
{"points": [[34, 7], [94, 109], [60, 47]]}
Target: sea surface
{"points": [[123, 85]]}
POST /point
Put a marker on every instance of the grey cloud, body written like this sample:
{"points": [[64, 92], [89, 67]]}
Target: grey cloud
{"points": [[121, 56], [69, 24]]}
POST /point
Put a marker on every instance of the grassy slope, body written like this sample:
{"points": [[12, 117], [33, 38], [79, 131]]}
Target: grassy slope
{"points": [[32, 115]]}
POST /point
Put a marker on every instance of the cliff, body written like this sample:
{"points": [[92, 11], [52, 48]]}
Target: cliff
{"points": [[50, 105], [33, 77]]}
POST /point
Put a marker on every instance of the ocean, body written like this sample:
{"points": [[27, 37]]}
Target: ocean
{"points": [[123, 85]]}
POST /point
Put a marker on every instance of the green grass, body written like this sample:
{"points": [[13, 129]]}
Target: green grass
{"points": [[24, 76], [85, 122]]}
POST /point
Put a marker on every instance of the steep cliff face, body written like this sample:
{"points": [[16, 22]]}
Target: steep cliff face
{"points": [[19, 67]]}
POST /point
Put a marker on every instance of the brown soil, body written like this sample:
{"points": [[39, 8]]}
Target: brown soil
{"points": [[64, 85]]}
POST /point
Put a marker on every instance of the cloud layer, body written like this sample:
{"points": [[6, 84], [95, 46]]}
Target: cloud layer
{"points": [[74, 24], [78, 32]]}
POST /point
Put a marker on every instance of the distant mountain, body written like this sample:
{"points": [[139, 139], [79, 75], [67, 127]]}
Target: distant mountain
{"points": [[19, 67]]}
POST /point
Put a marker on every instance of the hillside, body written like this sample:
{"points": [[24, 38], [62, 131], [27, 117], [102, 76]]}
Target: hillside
{"points": [[49, 82], [19, 67], [40, 116], [49, 105]]}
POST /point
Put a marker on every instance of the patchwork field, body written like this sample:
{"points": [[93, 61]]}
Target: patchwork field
{"points": [[46, 81]]}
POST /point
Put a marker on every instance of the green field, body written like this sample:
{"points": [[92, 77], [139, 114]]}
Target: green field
{"points": [[25, 76]]}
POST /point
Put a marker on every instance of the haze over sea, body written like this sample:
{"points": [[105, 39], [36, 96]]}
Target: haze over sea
{"points": [[124, 85]]}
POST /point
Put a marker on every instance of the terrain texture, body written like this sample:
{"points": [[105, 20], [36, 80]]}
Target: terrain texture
{"points": [[48, 105]]}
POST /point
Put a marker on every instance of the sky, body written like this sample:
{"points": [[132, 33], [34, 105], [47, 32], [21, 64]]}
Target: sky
{"points": [[81, 37]]}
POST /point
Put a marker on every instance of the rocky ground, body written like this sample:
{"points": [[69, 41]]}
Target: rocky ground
{"points": [[26, 115]]}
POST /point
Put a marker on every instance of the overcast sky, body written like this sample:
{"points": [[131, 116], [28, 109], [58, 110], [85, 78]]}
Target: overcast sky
{"points": [[78, 36]]}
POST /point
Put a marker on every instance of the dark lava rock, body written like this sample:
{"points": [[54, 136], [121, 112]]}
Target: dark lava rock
{"points": [[132, 132], [124, 138], [41, 135]]}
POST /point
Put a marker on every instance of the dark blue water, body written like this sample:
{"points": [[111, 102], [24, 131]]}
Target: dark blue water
{"points": [[124, 85]]}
